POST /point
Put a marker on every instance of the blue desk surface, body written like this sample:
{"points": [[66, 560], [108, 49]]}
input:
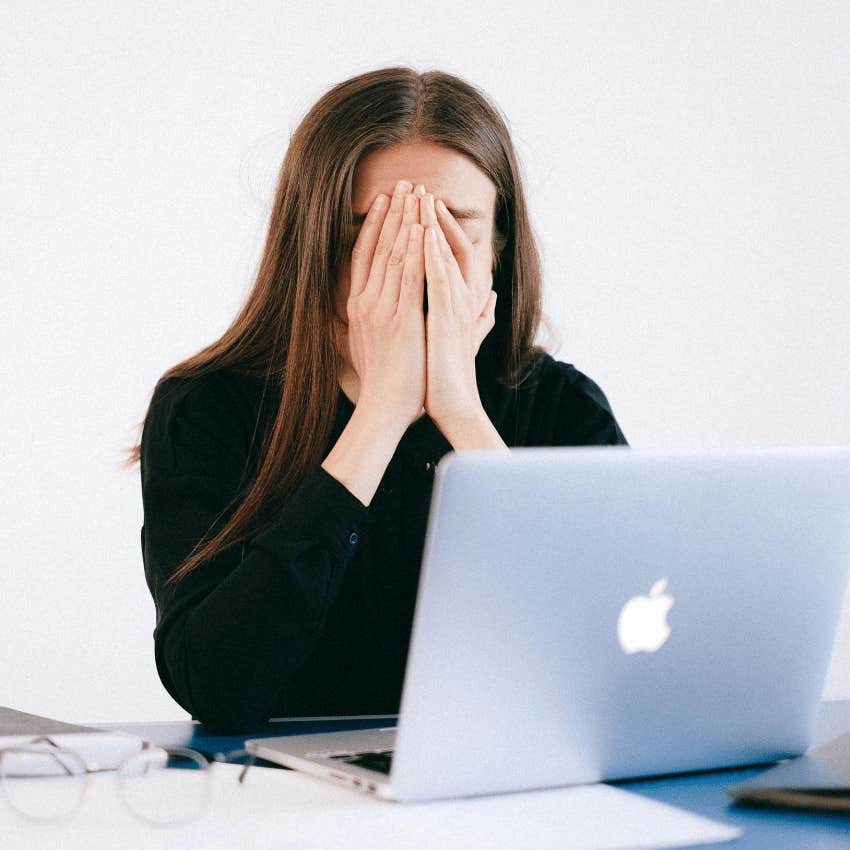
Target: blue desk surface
{"points": [[701, 792]]}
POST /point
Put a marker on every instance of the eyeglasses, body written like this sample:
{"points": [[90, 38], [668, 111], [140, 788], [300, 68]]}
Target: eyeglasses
{"points": [[43, 781]]}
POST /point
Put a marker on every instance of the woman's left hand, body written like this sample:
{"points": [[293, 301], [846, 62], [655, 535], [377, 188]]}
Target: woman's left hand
{"points": [[461, 312]]}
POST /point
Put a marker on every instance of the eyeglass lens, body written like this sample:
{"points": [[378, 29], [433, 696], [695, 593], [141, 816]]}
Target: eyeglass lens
{"points": [[43, 784], [161, 785], [165, 784]]}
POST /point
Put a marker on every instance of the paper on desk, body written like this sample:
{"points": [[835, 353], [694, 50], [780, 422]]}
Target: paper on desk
{"points": [[286, 809], [97, 747]]}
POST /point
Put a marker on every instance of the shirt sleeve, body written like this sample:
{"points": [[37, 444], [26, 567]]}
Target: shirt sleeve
{"points": [[231, 633], [584, 414]]}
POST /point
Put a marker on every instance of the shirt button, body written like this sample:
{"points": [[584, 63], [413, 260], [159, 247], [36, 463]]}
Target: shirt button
{"points": [[353, 537]]}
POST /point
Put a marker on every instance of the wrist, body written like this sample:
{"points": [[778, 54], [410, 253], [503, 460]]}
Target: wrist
{"points": [[374, 416], [470, 419], [473, 431]]}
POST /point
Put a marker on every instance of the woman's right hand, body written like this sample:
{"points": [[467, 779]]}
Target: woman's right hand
{"points": [[386, 321]]}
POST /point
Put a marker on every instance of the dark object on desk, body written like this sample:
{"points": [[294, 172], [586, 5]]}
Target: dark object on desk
{"points": [[819, 779]]}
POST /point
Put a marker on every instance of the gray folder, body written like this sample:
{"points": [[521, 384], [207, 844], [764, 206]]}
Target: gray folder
{"points": [[819, 779]]}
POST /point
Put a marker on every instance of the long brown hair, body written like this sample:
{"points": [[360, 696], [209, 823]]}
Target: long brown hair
{"points": [[285, 324]]}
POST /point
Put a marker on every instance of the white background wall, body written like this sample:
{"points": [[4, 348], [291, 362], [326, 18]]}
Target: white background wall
{"points": [[687, 170]]}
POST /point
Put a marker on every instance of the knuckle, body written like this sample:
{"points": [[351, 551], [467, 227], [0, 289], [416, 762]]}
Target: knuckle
{"points": [[382, 247], [379, 314]]}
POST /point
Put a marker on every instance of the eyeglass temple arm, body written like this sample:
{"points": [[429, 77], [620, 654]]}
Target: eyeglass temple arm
{"points": [[52, 743], [234, 754]]}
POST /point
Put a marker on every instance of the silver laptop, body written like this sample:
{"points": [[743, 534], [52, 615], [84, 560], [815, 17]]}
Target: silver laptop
{"points": [[599, 613]]}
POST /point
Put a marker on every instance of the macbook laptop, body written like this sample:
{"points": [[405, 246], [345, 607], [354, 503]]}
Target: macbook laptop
{"points": [[605, 612]]}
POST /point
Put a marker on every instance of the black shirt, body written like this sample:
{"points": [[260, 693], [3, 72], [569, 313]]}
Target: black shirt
{"points": [[312, 615]]}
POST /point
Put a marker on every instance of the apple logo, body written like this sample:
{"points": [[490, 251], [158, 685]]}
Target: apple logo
{"points": [[642, 624]]}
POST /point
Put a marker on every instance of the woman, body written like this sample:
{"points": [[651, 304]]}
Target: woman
{"points": [[287, 468]]}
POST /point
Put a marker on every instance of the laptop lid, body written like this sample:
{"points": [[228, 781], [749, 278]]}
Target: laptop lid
{"points": [[598, 613]]}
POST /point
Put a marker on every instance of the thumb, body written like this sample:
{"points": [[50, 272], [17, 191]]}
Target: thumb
{"points": [[487, 319]]}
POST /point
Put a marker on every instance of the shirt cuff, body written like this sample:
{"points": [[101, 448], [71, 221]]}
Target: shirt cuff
{"points": [[321, 508]]}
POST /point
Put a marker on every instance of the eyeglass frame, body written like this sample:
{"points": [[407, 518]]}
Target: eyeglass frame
{"points": [[88, 771]]}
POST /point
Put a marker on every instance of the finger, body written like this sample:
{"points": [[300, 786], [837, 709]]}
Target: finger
{"points": [[453, 270], [459, 243], [398, 256], [429, 219], [386, 240], [439, 296], [413, 278], [364, 246], [488, 314], [427, 215], [487, 320]]}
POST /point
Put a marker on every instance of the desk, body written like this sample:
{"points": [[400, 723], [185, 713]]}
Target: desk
{"points": [[701, 793]]}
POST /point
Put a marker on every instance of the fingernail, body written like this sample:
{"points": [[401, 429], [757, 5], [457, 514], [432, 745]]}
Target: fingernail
{"points": [[441, 206]]}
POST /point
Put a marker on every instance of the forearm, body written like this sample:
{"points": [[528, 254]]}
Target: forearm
{"points": [[229, 656], [363, 451], [232, 632]]}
